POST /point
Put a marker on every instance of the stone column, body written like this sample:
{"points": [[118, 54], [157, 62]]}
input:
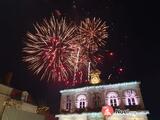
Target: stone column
{"points": [[121, 97]]}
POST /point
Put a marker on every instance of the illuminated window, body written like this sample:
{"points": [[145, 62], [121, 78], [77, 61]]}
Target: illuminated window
{"points": [[112, 99], [129, 101], [81, 101], [130, 97], [115, 102], [68, 103], [111, 102], [133, 101]]}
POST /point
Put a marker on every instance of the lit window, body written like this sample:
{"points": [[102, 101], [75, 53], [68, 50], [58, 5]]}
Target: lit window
{"points": [[129, 101], [111, 102], [133, 101], [81, 101], [112, 99], [130, 97], [115, 102]]}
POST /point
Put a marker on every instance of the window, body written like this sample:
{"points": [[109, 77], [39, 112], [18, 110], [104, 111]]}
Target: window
{"points": [[68, 103], [133, 101], [111, 102], [97, 100], [130, 97], [115, 102], [81, 101], [129, 101], [112, 99]]}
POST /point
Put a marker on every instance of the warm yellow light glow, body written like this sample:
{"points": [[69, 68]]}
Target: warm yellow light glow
{"points": [[95, 79]]}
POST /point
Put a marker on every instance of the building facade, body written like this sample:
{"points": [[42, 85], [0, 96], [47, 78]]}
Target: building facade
{"points": [[86, 103], [17, 105]]}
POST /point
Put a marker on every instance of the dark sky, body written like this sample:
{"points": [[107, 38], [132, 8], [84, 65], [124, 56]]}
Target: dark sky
{"points": [[132, 34]]}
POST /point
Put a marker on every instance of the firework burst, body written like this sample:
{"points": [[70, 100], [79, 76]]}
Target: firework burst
{"points": [[92, 33], [48, 50]]}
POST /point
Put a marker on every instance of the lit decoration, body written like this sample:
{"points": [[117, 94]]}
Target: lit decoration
{"points": [[126, 84], [95, 79], [107, 110], [19, 105], [48, 50], [42, 109], [130, 113], [92, 33]]}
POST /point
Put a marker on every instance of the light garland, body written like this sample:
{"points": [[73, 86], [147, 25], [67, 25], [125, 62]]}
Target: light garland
{"points": [[130, 113], [75, 114], [100, 87]]}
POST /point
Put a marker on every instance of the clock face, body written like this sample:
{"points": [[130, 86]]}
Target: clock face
{"points": [[130, 93]]}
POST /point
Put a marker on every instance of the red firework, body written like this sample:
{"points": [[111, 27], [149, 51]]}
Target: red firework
{"points": [[48, 50], [93, 34]]}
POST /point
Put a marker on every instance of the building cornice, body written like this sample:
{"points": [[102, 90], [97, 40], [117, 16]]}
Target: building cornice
{"points": [[100, 87]]}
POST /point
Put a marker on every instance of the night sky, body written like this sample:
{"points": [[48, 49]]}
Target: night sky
{"points": [[132, 37]]}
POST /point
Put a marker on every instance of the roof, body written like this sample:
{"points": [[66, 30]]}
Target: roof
{"points": [[6, 90]]}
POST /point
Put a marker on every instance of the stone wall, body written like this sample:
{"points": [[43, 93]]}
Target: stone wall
{"points": [[102, 92]]}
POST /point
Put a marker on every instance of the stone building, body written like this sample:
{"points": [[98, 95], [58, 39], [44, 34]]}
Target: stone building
{"points": [[17, 105], [86, 103]]}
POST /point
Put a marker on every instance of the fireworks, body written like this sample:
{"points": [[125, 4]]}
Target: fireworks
{"points": [[59, 51], [92, 33], [48, 50]]}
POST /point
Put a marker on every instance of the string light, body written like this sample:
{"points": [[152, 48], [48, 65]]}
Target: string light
{"points": [[130, 113], [100, 87]]}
